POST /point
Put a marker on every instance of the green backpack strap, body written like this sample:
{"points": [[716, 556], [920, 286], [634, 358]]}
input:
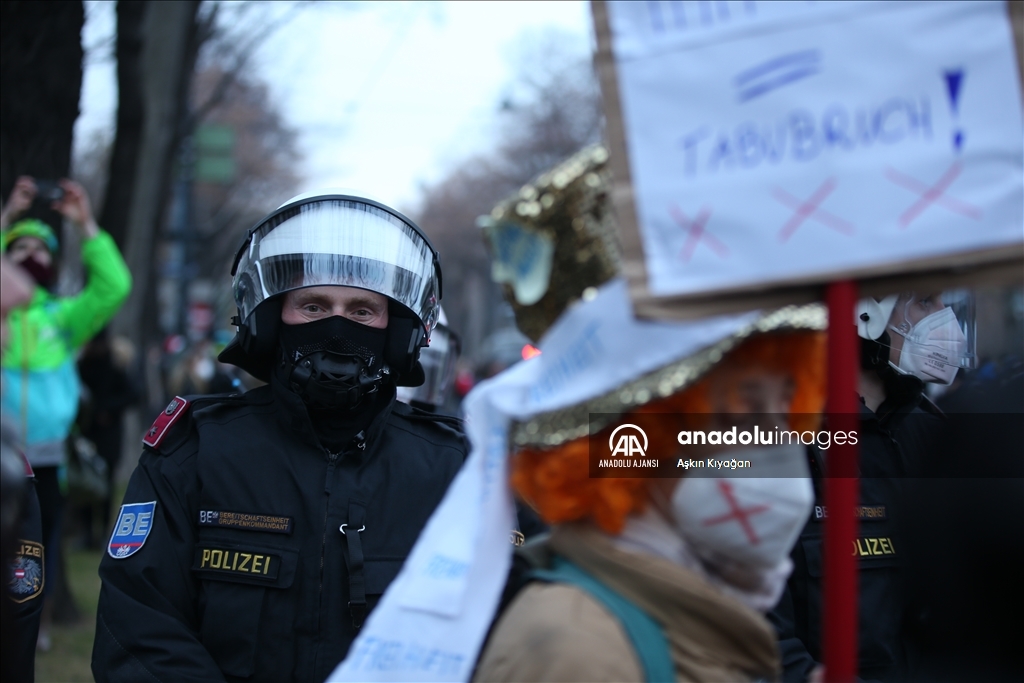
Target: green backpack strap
{"points": [[645, 634]]}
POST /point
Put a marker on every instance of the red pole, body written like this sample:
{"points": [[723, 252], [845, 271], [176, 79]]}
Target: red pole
{"points": [[839, 637]]}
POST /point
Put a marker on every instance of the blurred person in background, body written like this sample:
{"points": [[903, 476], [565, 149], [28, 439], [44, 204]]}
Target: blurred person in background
{"points": [[110, 390], [259, 530], [502, 349], [21, 532], [199, 372], [438, 359], [906, 340], [41, 381]]}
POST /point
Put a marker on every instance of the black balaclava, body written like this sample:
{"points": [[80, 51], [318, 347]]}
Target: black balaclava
{"points": [[336, 366]]}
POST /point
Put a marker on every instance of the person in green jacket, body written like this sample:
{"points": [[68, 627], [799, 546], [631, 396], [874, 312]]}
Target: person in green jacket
{"points": [[41, 385]]}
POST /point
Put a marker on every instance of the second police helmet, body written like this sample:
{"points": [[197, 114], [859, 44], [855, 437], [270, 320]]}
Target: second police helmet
{"points": [[335, 238], [938, 333]]}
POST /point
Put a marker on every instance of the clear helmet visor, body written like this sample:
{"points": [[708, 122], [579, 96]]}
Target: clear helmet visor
{"points": [[339, 241], [438, 360], [938, 333]]}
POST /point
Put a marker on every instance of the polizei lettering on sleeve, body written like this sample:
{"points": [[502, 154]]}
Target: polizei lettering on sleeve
{"points": [[873, 547], [236, 564], [246, 521]]}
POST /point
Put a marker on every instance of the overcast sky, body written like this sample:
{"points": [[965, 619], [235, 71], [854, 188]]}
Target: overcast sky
{"points": [[385, 95]]}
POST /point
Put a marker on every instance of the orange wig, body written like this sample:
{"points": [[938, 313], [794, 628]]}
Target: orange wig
{"points": [[557, 482]]}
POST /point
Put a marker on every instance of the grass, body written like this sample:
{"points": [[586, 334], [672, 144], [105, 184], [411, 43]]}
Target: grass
{"points": [[68, 660]]}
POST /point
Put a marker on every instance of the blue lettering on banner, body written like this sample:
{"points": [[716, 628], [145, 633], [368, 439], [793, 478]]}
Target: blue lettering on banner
{"points": [[803, 136], [702, 13], [441, 567], [494, 454], [776, 72], [374, 654], [581, 355]]}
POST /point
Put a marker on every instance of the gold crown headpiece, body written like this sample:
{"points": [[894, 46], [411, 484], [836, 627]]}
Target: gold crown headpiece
{"points": [[555, 239]]}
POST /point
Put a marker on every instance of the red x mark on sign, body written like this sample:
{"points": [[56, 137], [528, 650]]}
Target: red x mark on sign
{"points": [[932, 195], [738, 513], [810, 209], [697, 233]]}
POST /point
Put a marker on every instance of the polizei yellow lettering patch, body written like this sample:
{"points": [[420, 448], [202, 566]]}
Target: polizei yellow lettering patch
{"points": [[247, 521], [873, 547], [236, 564]]}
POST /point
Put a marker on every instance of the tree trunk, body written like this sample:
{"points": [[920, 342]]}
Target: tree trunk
{"points": [[40, 83], [130, 119], [168, 54]]}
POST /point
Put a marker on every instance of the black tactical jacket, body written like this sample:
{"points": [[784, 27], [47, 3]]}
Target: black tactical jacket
{"points": [[24, 566], [892, 444], [246, 572]]}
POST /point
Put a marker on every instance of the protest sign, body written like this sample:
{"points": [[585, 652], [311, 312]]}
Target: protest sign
{"points": [[763, 149]]}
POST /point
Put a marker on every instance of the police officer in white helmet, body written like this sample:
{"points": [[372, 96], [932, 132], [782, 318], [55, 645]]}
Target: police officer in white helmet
{"points": [[908, 340], [259, 530]]}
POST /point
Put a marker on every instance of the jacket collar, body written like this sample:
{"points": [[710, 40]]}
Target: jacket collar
{"points": [[295, 417]]}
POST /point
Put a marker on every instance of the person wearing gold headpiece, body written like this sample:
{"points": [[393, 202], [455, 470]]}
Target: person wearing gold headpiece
{"points": [[664, 576]]}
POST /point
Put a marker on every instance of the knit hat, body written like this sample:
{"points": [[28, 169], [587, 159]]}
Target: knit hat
{"points": [[30, 227]]}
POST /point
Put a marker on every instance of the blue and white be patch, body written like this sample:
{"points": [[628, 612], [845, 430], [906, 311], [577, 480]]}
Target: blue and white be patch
{"points": [[132, 528]]}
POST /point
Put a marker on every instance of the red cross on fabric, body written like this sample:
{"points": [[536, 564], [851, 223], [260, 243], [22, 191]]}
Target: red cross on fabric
{"points": [[936, 194], [738, 513], [810, 209], [696, 233]]}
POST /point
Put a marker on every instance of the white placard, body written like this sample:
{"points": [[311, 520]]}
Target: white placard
{"points": [[774, 143]]}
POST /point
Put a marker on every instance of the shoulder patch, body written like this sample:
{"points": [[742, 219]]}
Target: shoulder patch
{"points": [[26, 579], [165, 420], [134, 523]]}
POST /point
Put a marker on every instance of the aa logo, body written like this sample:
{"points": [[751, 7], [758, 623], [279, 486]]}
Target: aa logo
{"points": [[628, 442]]}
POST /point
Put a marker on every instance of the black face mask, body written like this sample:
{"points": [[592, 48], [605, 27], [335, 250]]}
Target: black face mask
{"points": [[335, 363], [43, 275]]}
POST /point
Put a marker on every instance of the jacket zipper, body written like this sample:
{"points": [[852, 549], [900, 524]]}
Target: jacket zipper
{"points": [[332, 459]]}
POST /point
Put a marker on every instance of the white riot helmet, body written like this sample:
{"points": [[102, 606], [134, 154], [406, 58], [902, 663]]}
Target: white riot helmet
{"points": [[335, 238], [938, 333], [872, 316]]}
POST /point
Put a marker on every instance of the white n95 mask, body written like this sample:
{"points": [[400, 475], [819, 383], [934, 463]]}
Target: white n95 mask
{"points": [[932, 348], [750, 520]]}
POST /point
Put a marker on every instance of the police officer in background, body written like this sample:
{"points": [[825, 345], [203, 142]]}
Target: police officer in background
{"points": [[438, 362], [21, 527], [906, 340], [259, 530]]}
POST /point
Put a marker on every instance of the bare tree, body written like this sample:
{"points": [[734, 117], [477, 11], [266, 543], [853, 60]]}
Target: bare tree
{"points": [[172, 33], [265, 157], [123, 158], [550, 112], [40, 83], [158, 47]]}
